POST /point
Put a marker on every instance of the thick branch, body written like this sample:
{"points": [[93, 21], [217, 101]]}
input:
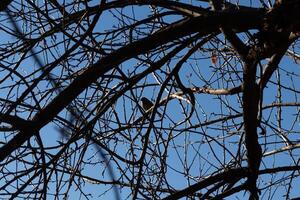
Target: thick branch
{"points": [[251, 96], [225, 176], [4, 4]]}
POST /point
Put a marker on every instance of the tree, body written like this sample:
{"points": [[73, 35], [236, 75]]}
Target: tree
{"points": [[222, 76]]}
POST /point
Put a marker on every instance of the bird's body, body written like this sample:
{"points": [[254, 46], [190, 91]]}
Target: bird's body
{"points": [[147, 104]]}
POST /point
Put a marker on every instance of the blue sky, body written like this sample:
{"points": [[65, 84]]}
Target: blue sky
{"points": [[189, 143]]}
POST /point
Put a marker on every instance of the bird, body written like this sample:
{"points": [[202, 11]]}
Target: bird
{"points": [[147, 105]]}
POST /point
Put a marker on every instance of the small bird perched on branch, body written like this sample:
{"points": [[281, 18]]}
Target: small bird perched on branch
{"points": [[147, 104]]}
